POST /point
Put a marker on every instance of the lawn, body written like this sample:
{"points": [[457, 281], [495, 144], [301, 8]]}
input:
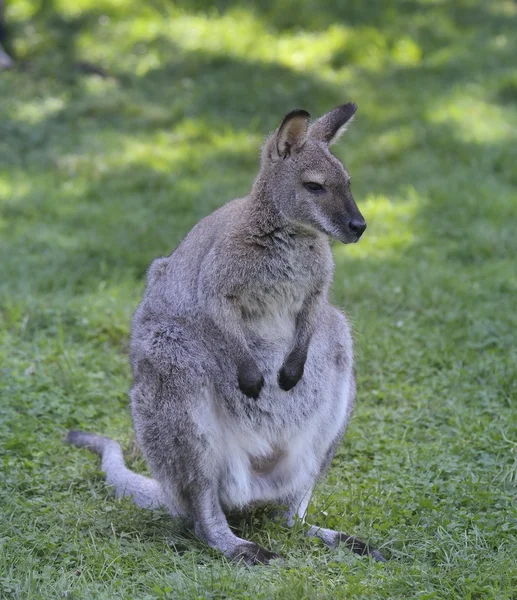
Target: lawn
{"points": [[124, 123]]}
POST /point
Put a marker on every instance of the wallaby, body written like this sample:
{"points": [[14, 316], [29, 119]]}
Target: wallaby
{"points": [[6, 62], [243, 370]]}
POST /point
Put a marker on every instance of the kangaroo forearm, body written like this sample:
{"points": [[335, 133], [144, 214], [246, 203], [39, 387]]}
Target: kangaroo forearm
{"points": [[302, 339], [293, 366], [226, 314], [306, 324]]}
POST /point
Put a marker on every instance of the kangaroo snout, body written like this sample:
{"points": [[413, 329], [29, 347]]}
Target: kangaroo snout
{"points": [[357, 226]]}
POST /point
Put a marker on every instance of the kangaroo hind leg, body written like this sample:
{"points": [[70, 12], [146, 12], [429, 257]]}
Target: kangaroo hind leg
{"points": [[182, 443], [297, 507], [210, 525]]}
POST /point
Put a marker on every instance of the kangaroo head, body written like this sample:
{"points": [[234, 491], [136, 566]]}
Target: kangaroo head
{"points": [[306, 182]]}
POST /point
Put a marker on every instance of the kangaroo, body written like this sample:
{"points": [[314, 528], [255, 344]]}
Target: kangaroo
{"points": [[243, 370], [6, 62]]}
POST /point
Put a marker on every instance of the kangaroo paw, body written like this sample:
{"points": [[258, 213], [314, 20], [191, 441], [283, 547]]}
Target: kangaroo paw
{"points": [[252, 554]]}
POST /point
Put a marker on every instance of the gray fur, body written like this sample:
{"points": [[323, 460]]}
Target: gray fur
{"points": [[146, 492], [243, 370]]}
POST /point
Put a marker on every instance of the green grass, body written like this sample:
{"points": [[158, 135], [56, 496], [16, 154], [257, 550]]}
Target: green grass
{"points": [[100, 175]]}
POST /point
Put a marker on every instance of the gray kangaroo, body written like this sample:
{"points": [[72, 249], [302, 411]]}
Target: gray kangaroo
{"points": [[243, 370]]}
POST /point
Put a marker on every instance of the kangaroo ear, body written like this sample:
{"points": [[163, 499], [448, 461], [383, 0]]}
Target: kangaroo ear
{"points": [[330, 127], [292, 133]]}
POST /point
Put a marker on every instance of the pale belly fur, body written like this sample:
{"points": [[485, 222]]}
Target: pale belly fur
{"points": [[271, 464], [267, 463]]}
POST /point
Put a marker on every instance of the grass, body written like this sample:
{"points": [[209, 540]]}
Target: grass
{"points": [[98, 175]]}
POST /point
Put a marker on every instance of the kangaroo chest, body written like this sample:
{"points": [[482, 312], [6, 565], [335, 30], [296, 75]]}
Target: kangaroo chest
{"points": [[287, 271]]}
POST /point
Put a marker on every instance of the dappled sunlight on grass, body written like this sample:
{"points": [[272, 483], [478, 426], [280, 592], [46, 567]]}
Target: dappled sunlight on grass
{"points": [[37, 110], [120, 8], [241, 34], [189, 147], [140, 42], [9, 191], [472, 119], [21, 10], [507, 8], [391, 144], [181, 147], [137, 40]]}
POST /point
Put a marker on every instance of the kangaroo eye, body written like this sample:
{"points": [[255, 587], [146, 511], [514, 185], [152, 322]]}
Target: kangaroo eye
{"points": [[314, 187]]}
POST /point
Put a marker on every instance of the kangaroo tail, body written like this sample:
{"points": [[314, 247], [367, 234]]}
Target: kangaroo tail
{"points": [[146, 492]]}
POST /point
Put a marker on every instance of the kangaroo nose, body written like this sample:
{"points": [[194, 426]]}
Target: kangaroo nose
{"points": [[357, 226]]}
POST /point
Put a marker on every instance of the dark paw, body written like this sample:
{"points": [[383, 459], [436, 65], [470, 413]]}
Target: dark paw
{"points": [[253, 554], [289, 376], [251, 381], [359, 547]]}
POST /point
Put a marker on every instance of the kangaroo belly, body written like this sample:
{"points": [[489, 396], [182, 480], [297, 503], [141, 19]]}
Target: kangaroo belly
{"points": [[268, 477], [269, 460]]}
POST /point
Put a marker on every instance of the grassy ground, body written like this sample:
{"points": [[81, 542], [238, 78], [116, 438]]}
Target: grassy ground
{"points": [[98, 175]]}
